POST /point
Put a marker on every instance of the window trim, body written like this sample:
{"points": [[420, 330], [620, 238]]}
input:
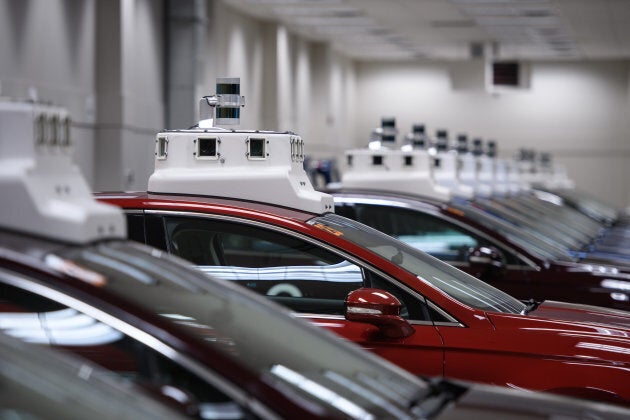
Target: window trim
{"points": [[205, 373], [349, 257]]}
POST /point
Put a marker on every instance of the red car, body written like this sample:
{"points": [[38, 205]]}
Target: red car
{"points": [[343, 275]]}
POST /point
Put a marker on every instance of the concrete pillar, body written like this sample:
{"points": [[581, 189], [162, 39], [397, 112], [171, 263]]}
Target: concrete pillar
{"points": [[129, 91], [109, 100], [186, 24]]}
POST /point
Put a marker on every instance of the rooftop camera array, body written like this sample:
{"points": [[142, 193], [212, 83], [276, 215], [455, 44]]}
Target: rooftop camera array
{"points": [[255, 165], [48, 194], [437, 168]]}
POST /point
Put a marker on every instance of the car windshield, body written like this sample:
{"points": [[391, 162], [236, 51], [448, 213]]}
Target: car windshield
{"points": [[260, 335], [457, 284]]}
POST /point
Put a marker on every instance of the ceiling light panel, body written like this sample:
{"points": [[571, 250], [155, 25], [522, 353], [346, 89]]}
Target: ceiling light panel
{"points": [[328, 11], [517, 21], [496, 2], [521, 10], [294, 2], [332, 21]]}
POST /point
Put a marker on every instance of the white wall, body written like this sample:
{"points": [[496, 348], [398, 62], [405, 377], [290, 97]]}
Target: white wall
{"points": [[577, 111], [236, 49], [142, 89], [289, 83], [47, 53]]}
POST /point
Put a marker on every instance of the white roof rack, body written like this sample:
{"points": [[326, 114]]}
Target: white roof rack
{"points": [[406, 171], [43, 191], [412, 169], [261, 166], [446, 174]]}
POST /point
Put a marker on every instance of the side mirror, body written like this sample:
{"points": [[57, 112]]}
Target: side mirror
{"points": [[485, 260], [379, 308]]}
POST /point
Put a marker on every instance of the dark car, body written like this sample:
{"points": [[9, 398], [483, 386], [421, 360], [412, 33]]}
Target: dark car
{"points": [[37, 383], [208, 344], [511, 259]]}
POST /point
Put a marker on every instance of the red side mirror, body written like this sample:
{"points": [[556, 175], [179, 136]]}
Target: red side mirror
{"points": [[379, 308]]}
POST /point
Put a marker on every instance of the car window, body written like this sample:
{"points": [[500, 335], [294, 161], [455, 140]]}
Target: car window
{"points": [[429, 270], [296, 273], [40, 320], [293, 272], [427, 233]]}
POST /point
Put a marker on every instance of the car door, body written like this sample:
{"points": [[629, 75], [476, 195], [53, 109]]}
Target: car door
{"points": [[309, 277]]}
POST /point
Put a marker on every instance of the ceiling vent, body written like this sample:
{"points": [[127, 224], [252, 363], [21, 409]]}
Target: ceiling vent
{"points": [[506, 73], [505, 76]]}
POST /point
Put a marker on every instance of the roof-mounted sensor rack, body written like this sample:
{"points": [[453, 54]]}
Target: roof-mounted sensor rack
{"points": [[446, 168], [539, 169], [224, 107], [405, 170], [385, 135], [417, 139], [252, 165], [43, 191]]}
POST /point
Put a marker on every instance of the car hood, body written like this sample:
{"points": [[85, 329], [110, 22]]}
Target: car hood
{"points": [[584, 316], [488, 402], [576, 332]]}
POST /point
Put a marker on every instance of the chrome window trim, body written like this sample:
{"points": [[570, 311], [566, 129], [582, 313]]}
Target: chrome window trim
{"points": [[411, 321], [531, 265], [133, 211], [452, 320], [167, 351], [301, 236]]}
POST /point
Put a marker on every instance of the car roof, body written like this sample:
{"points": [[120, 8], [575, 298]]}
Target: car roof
{"points": [[142, 199], [399, 196]]}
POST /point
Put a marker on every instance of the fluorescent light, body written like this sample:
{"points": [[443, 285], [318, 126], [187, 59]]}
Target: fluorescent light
{"points": [[498, 2], [342, 30], [530, 11], [317, 11], [332, 21], [516, 21], [294, 2]]}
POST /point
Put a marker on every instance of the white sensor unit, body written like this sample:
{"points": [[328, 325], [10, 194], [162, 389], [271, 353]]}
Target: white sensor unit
{"points": [[393, 170], [446, 175], [260, 166], [485, 176], [43, 191]]}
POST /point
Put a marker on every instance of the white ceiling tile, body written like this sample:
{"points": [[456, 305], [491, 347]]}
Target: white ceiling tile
{"points": [[445, 29]]}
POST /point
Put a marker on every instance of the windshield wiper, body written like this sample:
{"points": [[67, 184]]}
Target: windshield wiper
{"points": [[531, 304]]}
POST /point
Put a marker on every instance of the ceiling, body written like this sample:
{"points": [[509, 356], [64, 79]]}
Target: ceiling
{"points": [[456, 29]]}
